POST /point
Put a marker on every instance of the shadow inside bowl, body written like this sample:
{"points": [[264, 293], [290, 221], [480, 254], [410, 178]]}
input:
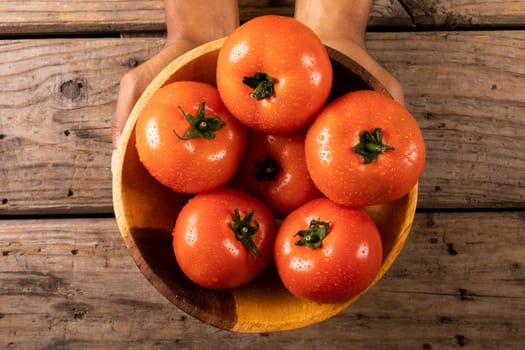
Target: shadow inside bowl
{"points": [[151, 211], [155, 247]]}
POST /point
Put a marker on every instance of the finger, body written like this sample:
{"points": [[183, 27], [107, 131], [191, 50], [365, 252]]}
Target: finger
{"points": [[393, 86], [129, 93], [127, 97], [133, 84]]}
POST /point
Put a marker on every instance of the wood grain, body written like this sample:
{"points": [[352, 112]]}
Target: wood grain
{"points": [[466, 91], [56, 113], [458, 282], [58, 97], [71, 283], [465, 14], [96, 16], [384, 13], [45, 16]]}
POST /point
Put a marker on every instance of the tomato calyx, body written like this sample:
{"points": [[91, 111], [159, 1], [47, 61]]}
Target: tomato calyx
{"points": [[315, 234], [244, 230], [262, 85], [266, 170], [201, 125], [371, 145]]}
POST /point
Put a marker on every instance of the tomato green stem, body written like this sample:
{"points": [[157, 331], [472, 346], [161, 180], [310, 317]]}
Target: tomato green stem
{"points": [[315, 234], [262, 85], [244, 231], [371, 145], [201, 125], [266, 170]]}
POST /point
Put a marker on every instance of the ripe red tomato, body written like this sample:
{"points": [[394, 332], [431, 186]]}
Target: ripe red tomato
{"points": [[223, 238], [187, 139], [364, 148], [274, 169], [274, 73], [326, 252]]}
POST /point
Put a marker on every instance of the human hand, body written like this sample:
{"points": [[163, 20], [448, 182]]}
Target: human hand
{"points": [[341, 25], [361, 55], [189, 24], [134, 82]]}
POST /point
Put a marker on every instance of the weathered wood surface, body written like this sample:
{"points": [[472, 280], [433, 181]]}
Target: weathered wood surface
{"points": [[466, 90], [58, 97], [76, 16], [432, 14], [71, 283]]}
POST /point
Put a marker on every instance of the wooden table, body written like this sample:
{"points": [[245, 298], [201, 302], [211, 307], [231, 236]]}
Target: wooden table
{"points": [[67, 280]]}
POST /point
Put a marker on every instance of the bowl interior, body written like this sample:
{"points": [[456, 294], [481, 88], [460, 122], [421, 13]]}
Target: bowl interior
{"points": [[146, 212]]}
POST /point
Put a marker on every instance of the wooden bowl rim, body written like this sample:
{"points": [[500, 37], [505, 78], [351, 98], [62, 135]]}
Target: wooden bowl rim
{"points": [[124, 228]]}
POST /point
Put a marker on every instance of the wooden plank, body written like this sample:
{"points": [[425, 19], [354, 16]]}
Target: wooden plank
{"points": [[45, 16], [55, 120], [76, 16], [389, 15], [383, 14], [455, 14], [458, 282], [465, 89]]}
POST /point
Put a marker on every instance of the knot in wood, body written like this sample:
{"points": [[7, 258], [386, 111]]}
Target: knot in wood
{"points": [[133, 62], [71, 89]]}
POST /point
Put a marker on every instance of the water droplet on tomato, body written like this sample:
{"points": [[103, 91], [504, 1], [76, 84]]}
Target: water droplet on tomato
{"points": [[238, 52], [152, 133]]}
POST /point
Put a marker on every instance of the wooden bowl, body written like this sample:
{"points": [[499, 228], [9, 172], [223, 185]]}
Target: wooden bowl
{"points": [[146, 212]]}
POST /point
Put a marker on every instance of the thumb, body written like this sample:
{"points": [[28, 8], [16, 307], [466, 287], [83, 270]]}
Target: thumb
{"points": [[129, 92]]}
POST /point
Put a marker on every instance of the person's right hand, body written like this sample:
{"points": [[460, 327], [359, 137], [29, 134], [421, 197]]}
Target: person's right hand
{"points": [[134, 82], [189, 24]]}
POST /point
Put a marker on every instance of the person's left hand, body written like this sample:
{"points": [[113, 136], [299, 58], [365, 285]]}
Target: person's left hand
{"points": [[358, 53]]}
